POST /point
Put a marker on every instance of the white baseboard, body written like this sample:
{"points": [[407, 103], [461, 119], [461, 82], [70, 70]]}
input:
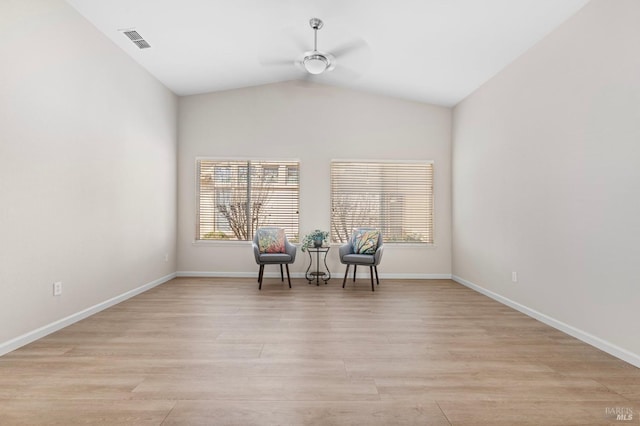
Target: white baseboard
{"points": [[413, 276], [610, 348], [253, 274], [340, 274], [34, 335]]}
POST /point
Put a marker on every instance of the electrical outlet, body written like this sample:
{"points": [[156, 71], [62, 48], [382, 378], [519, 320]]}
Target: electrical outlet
{"points": [[166, 257], [57, 288], [514, 277]]}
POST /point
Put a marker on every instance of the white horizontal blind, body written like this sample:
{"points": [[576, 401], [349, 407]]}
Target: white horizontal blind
{"points": [[396, 198], [237, 197]]}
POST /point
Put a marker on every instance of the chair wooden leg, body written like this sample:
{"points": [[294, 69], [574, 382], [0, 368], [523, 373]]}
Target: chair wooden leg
{"points": [[288, 277], [260, 274], [371, 274], [354, 272], [346, 274], [375, 268], [281, 274]]}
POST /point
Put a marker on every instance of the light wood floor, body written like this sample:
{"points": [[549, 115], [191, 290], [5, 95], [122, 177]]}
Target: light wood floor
{"points": [[219, 352]]}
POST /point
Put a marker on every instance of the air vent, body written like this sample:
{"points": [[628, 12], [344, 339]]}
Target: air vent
{"points": [[136, 38], [142, 44]]}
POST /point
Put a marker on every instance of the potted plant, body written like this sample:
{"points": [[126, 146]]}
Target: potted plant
{"points": [[314, 239]]}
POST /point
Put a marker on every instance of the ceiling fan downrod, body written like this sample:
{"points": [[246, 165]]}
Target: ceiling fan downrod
{"points": [[316, 24]]}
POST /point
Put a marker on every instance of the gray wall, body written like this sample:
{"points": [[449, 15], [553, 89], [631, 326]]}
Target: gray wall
{"points": [[546, 182], [87, 168], [312, 123]]}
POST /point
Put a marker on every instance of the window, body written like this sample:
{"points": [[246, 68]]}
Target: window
{"points": [[237, 197], [396, 198], [271, 173], [292, 175]]}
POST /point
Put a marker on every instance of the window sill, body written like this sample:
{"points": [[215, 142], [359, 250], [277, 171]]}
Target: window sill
{"points": [[208, 243], [227, 243]]}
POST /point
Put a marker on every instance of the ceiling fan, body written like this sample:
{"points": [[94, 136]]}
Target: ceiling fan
{"points": [[316, 62]]}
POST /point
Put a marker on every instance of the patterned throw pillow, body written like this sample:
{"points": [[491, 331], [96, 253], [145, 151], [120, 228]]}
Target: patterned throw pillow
{"points": [[271, 240], [365, 242]]}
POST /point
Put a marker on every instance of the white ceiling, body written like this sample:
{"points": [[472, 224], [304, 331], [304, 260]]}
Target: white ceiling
{"points": [[435, 51]]}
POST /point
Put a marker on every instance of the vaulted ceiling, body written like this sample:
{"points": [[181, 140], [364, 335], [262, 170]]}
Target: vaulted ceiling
{"points": [[434, 51]]}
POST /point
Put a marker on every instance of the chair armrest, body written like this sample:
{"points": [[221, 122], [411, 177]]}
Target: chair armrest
{"points": [[344, 250], [377, 257], [256, 252], [291, 250]]}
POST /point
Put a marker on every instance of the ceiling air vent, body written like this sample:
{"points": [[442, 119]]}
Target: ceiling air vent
{"points": [[136, 38]]}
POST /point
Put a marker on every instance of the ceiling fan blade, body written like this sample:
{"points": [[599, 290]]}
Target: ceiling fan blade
{"points": [[348, 48], [345, 72], [277, 62]]}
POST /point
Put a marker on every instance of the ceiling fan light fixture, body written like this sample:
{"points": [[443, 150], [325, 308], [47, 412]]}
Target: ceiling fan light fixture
{"points": [[316, 63]]}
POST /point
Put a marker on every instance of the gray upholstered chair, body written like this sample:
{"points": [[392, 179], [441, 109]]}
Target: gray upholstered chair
{"points": [[262, 259], [349, 257]]}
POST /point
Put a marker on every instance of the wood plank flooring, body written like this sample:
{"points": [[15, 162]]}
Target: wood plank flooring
{"points": [[208, 351]]}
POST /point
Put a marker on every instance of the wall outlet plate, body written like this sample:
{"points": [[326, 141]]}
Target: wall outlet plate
{"points": [[57, 288]]}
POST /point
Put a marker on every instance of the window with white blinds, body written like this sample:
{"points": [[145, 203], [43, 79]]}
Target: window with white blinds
{"points": [[237, 197], [396, 198]]}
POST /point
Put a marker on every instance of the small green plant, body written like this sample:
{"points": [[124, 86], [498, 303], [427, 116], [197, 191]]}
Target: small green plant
{"points": [[309, 239], [215, 235]]}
